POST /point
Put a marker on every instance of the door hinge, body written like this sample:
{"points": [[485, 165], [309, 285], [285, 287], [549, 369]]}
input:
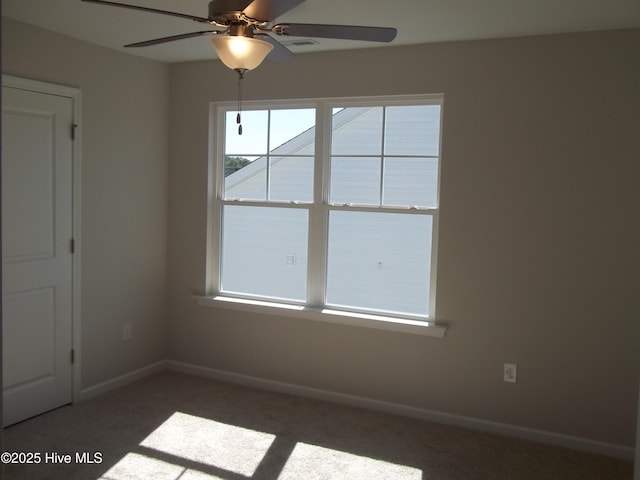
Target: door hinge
{"points": [[72, 245], [73, 130], [73, 356]]}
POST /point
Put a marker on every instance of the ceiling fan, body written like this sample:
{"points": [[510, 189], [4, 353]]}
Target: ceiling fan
{"points": [[242, 38]]}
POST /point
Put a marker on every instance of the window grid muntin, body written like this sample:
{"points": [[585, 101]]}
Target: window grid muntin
{"points": [[270, 153], [383, 138], [383, 156]]}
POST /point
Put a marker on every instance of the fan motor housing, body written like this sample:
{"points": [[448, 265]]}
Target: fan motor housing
{"points": [[224, 11]]}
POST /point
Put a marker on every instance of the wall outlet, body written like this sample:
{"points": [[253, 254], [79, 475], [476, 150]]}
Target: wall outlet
{"points": [[510, 373], [126, 331]]}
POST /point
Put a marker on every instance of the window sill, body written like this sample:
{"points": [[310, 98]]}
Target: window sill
{"points": [[415, 327]]}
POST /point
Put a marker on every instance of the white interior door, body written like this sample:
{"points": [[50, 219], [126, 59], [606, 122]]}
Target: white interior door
{"points": [[36, 257]]}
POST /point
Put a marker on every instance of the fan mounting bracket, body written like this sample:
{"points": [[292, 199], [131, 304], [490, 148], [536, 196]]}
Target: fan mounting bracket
{"points": [[222, 12]]}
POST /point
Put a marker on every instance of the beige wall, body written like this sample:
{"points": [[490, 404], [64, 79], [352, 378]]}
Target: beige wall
{"points": [[539, 234], [124, 191]]}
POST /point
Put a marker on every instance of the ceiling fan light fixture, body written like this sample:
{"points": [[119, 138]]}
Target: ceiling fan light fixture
{"points": [[240, 52]]}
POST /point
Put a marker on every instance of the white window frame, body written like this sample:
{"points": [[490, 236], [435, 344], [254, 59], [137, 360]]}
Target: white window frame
{"points": [[319, 209]]}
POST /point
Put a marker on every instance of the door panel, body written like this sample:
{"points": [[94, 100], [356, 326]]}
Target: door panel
{"points": [[37, 262], [36, 327], [27, 183]]}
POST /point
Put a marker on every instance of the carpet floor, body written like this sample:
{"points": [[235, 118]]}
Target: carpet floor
{"points": [[172, 426]]}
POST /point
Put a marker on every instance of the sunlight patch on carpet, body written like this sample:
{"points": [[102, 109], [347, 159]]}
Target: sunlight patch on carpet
{"points": [[314, 463], [228, 447], [134, 466]]}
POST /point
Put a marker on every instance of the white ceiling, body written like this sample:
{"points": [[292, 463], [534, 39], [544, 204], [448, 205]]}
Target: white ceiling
{"points": [[417, 21]]}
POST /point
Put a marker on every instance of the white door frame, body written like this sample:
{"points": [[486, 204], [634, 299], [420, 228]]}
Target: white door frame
{"points": [[75, 95]]}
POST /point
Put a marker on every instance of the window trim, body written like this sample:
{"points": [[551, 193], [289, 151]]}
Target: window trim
{"points": [[314, 308], [427, 328]]}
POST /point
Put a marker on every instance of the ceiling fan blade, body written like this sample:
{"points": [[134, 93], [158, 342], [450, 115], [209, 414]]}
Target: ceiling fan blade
{"points": [[222, 6], [146, 9], [172, 38], [279, 53], [345, 32], [269, 10]]}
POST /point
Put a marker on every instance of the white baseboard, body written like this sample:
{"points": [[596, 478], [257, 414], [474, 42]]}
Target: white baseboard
{"points": [[121, 381], [515, 431], [540, 436]]}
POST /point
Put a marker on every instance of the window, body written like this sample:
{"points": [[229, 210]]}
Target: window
{"points": [[328, 206]]}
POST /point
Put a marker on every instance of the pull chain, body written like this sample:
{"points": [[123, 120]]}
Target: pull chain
{"points": [[238, 117]]}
